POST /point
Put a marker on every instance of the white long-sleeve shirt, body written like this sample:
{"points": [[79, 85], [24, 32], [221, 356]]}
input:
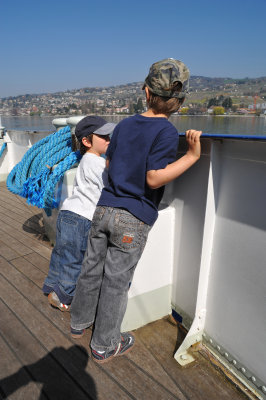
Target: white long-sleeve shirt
{"points": [[91, 177]]}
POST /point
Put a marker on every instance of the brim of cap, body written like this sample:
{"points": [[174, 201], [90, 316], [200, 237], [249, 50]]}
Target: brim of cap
{"points": [[106, 129]]}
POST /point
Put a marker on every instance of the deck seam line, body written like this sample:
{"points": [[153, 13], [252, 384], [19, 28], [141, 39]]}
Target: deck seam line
{"points": [[154, 380], [35, 266], [117, 382], [51, 322], [21, 216], [25, 204], [12, 259], [172, 379], [4, 204], [15, 354], [19, 255], [5, 198], [26, 237], [47, 350], [34, 230], [26, 276], [31, 251]]}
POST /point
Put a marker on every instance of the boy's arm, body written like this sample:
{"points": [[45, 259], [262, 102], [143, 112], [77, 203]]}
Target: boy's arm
{"points": [[160, 177]]}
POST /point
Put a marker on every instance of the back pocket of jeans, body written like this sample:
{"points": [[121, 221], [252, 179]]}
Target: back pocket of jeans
{"points": [[127, 233]]}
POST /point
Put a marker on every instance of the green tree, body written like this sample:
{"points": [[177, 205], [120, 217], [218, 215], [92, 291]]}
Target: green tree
{"points": [[73, 106], [227, 103], [131, 108], [139, 106], [218, 110], [212, 102], [184, 110]]}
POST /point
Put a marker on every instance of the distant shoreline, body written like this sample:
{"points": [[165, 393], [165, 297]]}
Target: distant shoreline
{"points": [[128, 115]]}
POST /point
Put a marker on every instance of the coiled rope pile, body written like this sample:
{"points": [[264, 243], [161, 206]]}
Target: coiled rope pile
{"points": [[37, 174]]}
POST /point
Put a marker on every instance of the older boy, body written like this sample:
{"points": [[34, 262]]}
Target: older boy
{"points": [[141, 159]]}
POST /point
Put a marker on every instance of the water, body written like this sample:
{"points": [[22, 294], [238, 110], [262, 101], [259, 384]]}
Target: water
{"points": [[234, 125]]}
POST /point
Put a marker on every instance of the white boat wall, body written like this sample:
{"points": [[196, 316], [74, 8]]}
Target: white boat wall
{"points": [[205, 256]]}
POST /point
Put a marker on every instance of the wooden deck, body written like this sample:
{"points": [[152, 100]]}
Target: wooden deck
{"points": [[39, 359]]}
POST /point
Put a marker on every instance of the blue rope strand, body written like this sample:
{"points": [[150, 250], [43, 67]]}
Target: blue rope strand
{"points": [[2, 149], [48, 196], [33, 176]]}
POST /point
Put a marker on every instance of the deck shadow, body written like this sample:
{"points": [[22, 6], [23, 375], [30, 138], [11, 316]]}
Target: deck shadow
{"points": [[50, 372], [34, 225]]}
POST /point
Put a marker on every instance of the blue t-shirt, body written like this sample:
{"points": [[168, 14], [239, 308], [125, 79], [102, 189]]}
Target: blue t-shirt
{"points": [[138, 144]]}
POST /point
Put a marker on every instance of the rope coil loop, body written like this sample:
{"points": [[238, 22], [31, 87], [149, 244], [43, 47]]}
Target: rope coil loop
{"points": [[35, 177]]}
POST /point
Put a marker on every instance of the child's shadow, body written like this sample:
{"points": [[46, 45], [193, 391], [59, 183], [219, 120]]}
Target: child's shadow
{"points": [[61, 373]]}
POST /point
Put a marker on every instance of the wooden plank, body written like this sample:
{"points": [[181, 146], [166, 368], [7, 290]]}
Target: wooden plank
{"points": [[7, 252], [27, 288], [14, 244], [22, 213], [136, 378], [140, 385], [40, 247], [29, 223], [29, 270], [14, 223], [39, 261], [16, 201], [54, 332], [143, 360], [15, 197], [14, 378], [41, 364], [21, 226], [10, 203], [33, 224], [199, 380]]}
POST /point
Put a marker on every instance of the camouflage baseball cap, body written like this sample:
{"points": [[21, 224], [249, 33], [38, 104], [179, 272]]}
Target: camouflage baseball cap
{"points": [[164, 75]]}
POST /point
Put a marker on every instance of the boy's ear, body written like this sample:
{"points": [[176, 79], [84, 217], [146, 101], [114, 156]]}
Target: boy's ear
{"points": [[86, 142], [147, 92]]}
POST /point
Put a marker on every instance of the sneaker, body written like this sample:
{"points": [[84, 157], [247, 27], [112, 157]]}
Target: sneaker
{"points": [[54, 301], [77, 333], [126, 344]]}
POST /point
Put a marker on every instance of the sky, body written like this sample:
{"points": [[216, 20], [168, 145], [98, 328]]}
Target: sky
{"points": [[55, 45]]}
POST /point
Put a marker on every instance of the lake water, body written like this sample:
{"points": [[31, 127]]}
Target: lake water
{"points": [[234, 125]]}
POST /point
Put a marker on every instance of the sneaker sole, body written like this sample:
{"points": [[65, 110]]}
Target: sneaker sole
{"points": [[113, 356]]}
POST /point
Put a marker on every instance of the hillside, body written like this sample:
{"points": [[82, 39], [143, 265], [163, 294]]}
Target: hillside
{"points": [[128, 98]]}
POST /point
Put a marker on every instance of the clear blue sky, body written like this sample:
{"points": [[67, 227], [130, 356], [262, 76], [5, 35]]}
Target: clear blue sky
{"points": [[52, 45]]}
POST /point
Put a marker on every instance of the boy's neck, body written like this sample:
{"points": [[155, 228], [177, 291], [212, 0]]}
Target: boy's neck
{"points": [[150, 113], [92, 151]]}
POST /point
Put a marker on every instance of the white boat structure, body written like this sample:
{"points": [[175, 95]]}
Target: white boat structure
{"points": [[206, 254]]}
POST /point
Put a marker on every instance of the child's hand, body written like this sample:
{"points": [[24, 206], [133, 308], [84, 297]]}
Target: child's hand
{"points": [[193, 141]]}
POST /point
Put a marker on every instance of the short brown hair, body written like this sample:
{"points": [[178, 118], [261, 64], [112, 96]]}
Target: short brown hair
{"points": [[165, 105], [77, 145]]}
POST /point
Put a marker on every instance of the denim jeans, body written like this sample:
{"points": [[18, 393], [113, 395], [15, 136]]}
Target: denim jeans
{"points": [[67, 256], [116, 242]]}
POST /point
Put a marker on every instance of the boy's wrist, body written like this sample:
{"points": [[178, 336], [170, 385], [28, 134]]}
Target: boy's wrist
{"points": [[193, 157]]}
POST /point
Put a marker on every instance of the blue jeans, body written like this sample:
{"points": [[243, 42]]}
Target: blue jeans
{"points": [[116, 242], [66, 260]]}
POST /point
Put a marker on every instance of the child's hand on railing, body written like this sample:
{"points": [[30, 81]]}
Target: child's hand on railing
{"points": [[193, 141]]}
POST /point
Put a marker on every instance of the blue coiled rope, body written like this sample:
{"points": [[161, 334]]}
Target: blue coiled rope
{"points": [[34, 176], [2, 149]]}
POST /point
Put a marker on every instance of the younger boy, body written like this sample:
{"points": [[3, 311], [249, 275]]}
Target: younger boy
{"points": [[141, 159], [74, 218]]}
